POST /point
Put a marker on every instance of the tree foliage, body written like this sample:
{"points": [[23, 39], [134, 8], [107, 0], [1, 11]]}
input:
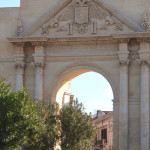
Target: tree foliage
{"points": [[48, 131], [41, 125], [15, 108], [78, 132]]}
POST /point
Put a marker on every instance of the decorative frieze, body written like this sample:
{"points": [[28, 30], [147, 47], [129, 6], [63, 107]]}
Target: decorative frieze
{"points": [[39, 43], [19, 44]]}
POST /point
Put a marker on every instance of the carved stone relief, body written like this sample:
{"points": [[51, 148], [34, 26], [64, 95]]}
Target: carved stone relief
{"points": [[19, 28], [146, 22], [81, 16]]}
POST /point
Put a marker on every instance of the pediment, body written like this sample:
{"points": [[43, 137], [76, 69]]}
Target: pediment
{"points": [[82, 17]]}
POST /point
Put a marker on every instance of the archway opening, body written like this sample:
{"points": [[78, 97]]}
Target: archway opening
{"points": [[84, 83], [95, 92]]}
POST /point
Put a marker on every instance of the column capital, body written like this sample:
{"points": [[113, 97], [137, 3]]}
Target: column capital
{"points": [[143, 61], [39, 65], [124, 62], [19, 65]]}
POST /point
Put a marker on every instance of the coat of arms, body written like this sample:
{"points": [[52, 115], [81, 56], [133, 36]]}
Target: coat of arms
{"points": [[81, 14]]}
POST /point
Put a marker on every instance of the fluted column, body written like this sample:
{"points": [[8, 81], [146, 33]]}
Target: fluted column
{"points": [[19, 65], [144, 54], [115, 124], [39, 62], [123, 103]]}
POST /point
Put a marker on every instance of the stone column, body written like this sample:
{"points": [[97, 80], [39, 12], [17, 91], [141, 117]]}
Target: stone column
{"points": [[123, 103], [19, 65], [144, 54], [39, 80], [115, 124], [39, 61], [19, 75]]}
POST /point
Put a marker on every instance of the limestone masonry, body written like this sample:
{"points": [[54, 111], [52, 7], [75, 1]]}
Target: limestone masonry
{"points": [[45, 44]]}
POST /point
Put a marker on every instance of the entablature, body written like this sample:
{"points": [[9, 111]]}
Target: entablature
{"points": [[91, 40]]}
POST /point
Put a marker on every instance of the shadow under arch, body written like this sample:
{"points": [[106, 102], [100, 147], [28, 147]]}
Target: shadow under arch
{"points": [[68, 73]]}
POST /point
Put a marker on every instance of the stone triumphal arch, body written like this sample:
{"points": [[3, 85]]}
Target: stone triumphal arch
{"points": [[44, 44]]}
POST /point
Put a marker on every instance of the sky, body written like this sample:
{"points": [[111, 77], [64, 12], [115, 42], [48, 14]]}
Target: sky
{"points": [[9, 3], [92, 89]]}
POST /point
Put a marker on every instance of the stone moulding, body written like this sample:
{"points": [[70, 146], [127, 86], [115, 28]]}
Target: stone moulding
{"points": [[92, 40]]}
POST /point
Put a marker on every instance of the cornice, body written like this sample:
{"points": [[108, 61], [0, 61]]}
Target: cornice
{"points": [[137, 35], [90, 40], [16, 40], [80, 40]]}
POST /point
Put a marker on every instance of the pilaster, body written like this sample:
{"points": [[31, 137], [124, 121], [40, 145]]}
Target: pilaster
{"points": [[144, 55], [115, 124], [123, 103]]}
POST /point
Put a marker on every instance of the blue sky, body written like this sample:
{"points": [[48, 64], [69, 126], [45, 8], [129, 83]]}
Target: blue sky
{"points": [[9, 3], [93, 90]]}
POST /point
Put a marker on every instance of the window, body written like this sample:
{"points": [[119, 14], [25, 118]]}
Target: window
{"points": [[104, 134]]}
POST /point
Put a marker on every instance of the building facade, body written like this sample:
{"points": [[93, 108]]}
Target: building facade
{"points": [[103, 122], [45, 44]]}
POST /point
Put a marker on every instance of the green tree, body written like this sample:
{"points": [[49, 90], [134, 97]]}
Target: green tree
{"points": [[78, 132], [15, 109], [49, 133]]}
